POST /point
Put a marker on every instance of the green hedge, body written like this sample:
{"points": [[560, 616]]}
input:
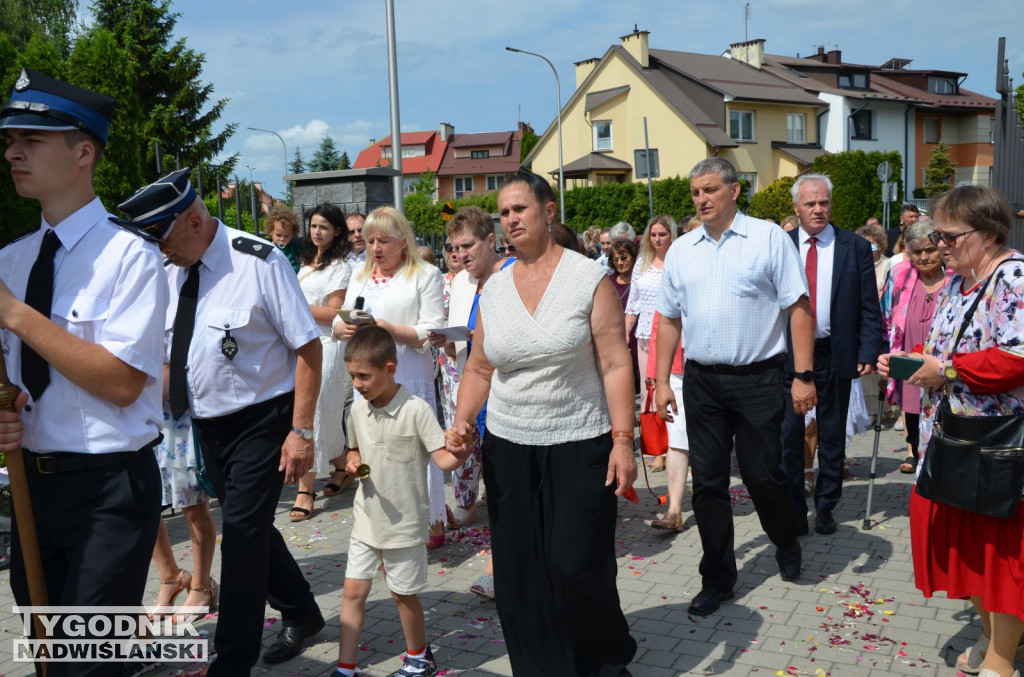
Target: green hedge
{"points": [[857, 191]]}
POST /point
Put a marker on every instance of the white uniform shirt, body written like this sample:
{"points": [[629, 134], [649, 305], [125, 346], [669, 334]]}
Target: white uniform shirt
{"points": [[259, 302], [732, 295], [108, 290], [826, 255]]}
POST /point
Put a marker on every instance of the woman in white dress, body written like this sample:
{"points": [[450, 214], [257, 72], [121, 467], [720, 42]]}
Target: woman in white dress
{"points": [[643, 291], [404, 295], [324, 276]]}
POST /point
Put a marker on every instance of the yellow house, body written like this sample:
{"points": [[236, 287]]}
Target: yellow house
{"points": [[696, 106]]}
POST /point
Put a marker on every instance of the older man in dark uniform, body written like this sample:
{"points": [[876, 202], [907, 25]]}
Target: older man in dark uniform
{"points": [[244, 361], [83, 309]]}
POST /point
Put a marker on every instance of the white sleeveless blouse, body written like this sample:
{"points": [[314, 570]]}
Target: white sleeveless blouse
{"points": [[546, 388]]}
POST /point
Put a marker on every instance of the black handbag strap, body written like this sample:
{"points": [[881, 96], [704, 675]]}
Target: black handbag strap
{"points": [[969, 315]]}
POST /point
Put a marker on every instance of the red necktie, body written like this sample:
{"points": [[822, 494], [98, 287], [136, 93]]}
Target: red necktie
{"points": [[811, 267]]}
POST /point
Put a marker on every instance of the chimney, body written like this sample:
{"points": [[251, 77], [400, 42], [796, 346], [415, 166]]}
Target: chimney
{"points": [[523, 127], [750, 52], [373, 142], [446, 131], [584, 69], [636, 44], [834, 56]]}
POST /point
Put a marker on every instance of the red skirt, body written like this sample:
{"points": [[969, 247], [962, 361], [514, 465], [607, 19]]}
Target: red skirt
{"points": [[968, 555]]}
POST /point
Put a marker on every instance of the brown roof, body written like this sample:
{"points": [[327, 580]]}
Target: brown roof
{"points": [[481, 139], [965, 99], [804, 153], [734, 78], [594, 161], [595, 99], [469, 166], [795, 69]]}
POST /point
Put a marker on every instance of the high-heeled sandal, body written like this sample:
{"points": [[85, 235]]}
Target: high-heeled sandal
{"points": [[334, 488], [181, 582], [305, 514], [212, 603]]}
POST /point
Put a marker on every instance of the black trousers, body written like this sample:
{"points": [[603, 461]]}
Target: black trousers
{"points": [[741, 411], [553, 542], [96, 529], [833, 405], [242, 452]]}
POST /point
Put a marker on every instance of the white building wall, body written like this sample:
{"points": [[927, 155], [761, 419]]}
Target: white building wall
{"points": [[888, 129], [833, 123]]}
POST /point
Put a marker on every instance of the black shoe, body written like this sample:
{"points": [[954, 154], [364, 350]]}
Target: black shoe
{"points": [[789, 559], [801, 527], [824, 523], [290, 639], [708, 600]]}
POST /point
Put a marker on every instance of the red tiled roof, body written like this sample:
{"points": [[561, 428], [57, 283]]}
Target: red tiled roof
{"points": [[373, 156], [469, 166]]}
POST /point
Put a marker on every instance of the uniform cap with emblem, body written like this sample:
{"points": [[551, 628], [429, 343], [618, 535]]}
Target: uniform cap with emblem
{"points": [[41, 102], [152, 210]]}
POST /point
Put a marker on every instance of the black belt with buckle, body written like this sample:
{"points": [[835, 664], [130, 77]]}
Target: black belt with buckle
{"points": [[751, 368], [50, 464]]}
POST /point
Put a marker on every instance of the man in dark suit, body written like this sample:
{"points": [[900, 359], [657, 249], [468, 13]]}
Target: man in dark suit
{"points": [[847, 340], [909, 213]]}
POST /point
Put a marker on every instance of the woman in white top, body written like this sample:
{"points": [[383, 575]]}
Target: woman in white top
{"points": [[324, 276], [404, 295], [559, 444], [643, 292]]}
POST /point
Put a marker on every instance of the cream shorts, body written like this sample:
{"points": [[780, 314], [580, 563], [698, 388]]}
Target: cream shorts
{"points": [[677, 438], [405, 569]]}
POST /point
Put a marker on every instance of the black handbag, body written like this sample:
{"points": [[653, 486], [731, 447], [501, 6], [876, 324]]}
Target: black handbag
{"points": [[975, 463]]}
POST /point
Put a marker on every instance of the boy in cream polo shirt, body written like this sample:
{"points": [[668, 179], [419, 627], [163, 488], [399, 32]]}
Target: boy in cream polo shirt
{"points": [[396, 434]]}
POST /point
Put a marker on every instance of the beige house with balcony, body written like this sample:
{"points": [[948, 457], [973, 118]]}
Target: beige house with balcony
{"points": [[696, 106]]}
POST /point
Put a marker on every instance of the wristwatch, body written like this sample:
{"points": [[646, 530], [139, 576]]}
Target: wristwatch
{"points": [[805, 376], [948, 371], [304, 433]]}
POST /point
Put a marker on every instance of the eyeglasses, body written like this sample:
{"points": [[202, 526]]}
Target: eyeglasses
{"points": [[507, 249], [948, 238], [448, 247]]}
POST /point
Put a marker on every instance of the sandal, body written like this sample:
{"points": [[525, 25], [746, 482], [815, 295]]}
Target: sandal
{"points": [[909, 466], [183, 581], [333, 488], [483, 587], [211, 593], [809, 481], [303, 513], [668, 523], [461, 517]]}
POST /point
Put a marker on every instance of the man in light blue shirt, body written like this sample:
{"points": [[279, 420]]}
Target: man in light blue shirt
{"points": [[730, 287]]}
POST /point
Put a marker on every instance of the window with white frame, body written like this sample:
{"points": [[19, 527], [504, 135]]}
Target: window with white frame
{"points": [[495, 182], [463, 185], [942, 85], [795, 128], [860, 125], [603, 135], [751, 178], [741, 125], [931, 130]]}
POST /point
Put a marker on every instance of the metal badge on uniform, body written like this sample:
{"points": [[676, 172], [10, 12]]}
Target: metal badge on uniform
{"points": [[228, 345], [23, 82]]}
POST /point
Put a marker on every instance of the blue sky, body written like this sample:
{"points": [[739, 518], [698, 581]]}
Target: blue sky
{"points": [[305, 68]]}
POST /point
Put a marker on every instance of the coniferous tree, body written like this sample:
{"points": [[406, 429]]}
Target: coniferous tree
{"points": [[326, 158], [345, 162]]}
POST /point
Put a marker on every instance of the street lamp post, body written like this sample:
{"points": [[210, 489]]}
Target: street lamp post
{"points": [[284, 146], [252, 200], [558, 101]]}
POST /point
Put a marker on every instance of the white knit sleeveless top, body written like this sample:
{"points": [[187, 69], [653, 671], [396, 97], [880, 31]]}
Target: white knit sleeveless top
{"points": [[546, 388]]}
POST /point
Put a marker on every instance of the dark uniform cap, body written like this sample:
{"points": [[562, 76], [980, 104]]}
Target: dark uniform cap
{"points": [[41, 102], [152, 210]]}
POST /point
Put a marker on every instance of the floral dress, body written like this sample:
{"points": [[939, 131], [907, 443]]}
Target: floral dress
{"points": [[449, 369], [176, 456], [963, 553]]}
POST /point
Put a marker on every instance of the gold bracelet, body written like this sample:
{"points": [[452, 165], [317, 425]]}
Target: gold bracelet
{"points": [[622, 433]]}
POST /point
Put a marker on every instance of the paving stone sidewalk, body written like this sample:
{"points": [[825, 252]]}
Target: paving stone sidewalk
{"points": [[853, 612]]}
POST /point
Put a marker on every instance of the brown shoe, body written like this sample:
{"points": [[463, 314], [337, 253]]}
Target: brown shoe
{"points": [[668, 523]]}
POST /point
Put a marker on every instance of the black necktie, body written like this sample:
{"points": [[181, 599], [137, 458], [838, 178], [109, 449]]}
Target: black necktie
{"points": [[184, 325], [35, 371]]}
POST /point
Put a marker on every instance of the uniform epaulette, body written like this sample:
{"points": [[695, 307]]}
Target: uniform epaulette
{"points": [[21, 237], [167, 261], [248, 245]]}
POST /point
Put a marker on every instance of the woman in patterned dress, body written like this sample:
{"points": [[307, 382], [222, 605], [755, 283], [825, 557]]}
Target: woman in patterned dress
{"points": [[660, 233], [323, 275], [449, 381], [966, 554]]}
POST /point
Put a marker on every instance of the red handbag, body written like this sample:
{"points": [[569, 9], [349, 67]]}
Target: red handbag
{"points": [[653, 430]]}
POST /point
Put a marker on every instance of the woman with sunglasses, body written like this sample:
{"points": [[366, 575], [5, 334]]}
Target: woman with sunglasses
{"points": [[967, 554]]}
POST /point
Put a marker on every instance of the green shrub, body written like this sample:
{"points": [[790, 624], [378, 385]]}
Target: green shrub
{"points": [[774, 200], [857, 191]]}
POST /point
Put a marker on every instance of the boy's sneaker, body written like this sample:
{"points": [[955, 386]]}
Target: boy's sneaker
{"points": [[418, 667], [338, 673]]}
